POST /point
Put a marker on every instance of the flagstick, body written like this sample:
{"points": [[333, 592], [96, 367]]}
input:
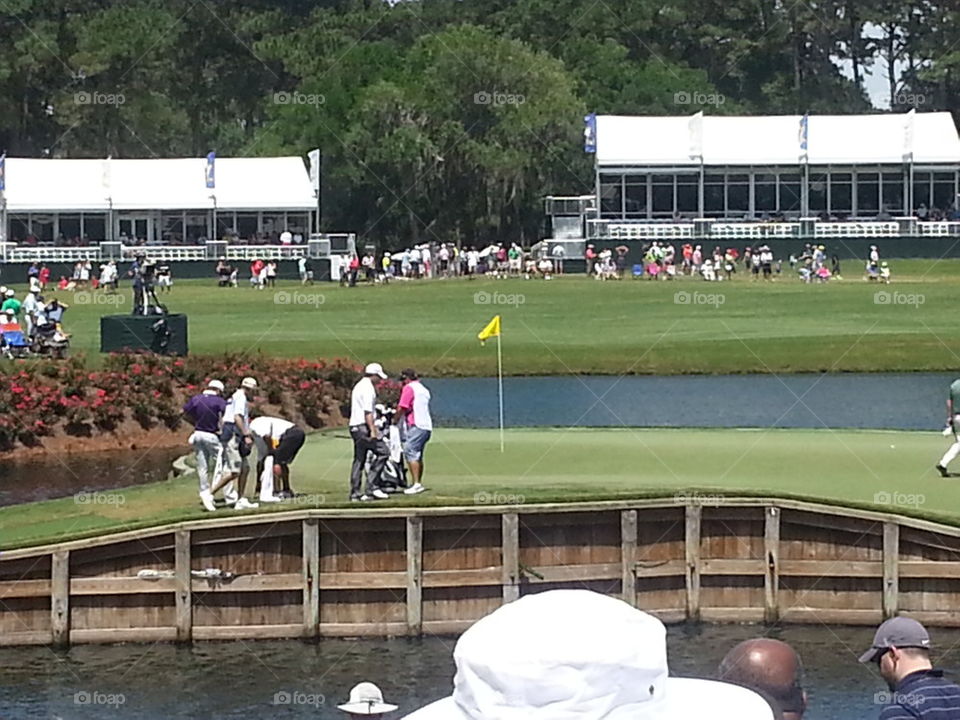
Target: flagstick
{"points": [[500, 386]]}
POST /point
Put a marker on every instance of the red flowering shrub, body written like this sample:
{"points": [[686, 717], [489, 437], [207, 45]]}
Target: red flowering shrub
{"points": [[40, 398]]}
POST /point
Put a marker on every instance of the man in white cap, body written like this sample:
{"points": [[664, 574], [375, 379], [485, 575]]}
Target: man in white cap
{"points": [[10, 302], [366, 699], [578, 655], [205, 411], [237, 443], [366, 437]]}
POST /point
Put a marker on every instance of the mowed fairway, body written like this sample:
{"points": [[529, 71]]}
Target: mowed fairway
{"points": [[576, 324], [888, 471]]}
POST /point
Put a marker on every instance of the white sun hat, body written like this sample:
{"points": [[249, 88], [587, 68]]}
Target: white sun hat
{"points": [[578, 655], [375, 369], [366, 699]]}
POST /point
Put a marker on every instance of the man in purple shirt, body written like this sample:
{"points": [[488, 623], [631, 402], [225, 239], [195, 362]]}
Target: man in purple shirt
{"points": [[205, 411]]}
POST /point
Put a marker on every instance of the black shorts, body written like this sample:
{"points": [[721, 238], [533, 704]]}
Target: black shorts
{"points": [[290, 443]]}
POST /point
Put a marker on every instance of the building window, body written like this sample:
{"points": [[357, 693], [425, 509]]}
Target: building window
{"points": [[818, 192], [95, 227], [688, 195], [764, 193], [841, 194], [247, 225], [19, 227], [789, 200], [868, 193], [611, 196], [944, 190], [663, 202], [922, 186], [713, 195], [738, 194], [893, 193], [68, 229]]}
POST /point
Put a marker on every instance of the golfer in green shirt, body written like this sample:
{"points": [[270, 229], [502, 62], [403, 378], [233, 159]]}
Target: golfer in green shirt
{"points": [[953, 423]]}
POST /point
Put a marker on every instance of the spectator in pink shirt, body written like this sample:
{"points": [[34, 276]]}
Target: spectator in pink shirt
{"points": [[413, 416]]}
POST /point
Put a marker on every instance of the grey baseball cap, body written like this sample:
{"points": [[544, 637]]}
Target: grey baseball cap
{"points": [[901, 632]]}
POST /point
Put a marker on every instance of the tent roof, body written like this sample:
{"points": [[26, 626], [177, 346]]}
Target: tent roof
{"points": [[775, 139], [276, 183]]}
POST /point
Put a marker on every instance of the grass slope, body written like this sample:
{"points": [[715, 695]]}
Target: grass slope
{"points": [[466, 468], [575, 324]]}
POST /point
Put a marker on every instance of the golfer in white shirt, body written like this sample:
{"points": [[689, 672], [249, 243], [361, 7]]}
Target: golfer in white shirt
{"points": [[366, 437], [277, 441]]}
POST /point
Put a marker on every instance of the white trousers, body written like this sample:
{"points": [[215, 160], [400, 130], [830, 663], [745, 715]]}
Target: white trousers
{"points": [[207, 448], [954, 449]]}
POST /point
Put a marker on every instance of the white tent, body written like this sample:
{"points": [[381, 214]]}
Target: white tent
{"points": [[677, 141], [68, 185]]}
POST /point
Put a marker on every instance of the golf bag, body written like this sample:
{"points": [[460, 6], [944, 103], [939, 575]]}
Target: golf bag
{"points": [[394, 476]]}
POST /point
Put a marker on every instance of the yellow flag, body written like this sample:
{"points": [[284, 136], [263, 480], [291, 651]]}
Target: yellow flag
{"points": [[491, 330]]}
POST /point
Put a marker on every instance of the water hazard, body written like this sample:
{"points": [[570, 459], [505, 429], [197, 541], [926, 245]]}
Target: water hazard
{"points": [[895, 401], [290, 679]]}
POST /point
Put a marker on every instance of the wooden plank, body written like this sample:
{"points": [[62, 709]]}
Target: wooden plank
{"points": [[628, 556], [664, 568], [376, 630], [929, 569], [311, 577], [692, 552], [575, 573], [379, 580], [184, 585], [510, 524], [462, 578], [26, 637], [731, 566], [60, 598], [247, 632], [731, 614], [250, 583], [99, 636], [24, 589], [446, 627], [935, 618], [891, 560], [120, 586], [831, 568], [771, 556], [817, 616], [414, 576]]}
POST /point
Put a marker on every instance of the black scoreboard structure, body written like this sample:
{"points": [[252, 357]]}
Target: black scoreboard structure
{"points": [[161, 334]]}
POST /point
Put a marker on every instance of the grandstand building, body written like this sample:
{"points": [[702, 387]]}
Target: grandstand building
{"points": [[775, 167], [65, 202]]}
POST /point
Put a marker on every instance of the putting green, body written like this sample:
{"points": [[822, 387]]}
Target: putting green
{"points": [[887, 471]]}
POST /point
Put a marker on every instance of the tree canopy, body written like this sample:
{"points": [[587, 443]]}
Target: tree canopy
{"points": [[440, 119]]}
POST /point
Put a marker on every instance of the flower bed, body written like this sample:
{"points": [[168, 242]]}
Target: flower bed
{"points": [[39, 399]]}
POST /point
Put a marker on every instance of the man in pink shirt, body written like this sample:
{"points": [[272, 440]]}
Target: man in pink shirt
{"points": [[416, 425]]}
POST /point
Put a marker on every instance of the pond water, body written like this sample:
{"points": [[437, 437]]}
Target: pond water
{"points": [[897, 401], [243, 679], [68, 473]]}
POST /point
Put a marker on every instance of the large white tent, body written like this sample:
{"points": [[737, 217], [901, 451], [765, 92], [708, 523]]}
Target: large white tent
{"points": [[830, 166], [777, 139], [156, 200], [61, 185]]}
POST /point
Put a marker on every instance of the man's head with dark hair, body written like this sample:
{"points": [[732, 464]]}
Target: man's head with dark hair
{"points": [[770, 667]]}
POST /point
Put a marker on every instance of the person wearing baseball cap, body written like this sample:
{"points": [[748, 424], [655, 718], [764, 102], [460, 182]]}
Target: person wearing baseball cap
{"points": [[366, 437], [901, 651], [237, 442], [205, 411], [578, 655]]}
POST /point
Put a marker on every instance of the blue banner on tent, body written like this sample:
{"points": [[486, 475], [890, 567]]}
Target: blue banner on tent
{"points": [[590, 133], [3, 172], [210, 177]]}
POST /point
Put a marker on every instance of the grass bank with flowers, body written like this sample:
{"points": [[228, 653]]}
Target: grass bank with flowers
{"points": [[128, 396]]}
